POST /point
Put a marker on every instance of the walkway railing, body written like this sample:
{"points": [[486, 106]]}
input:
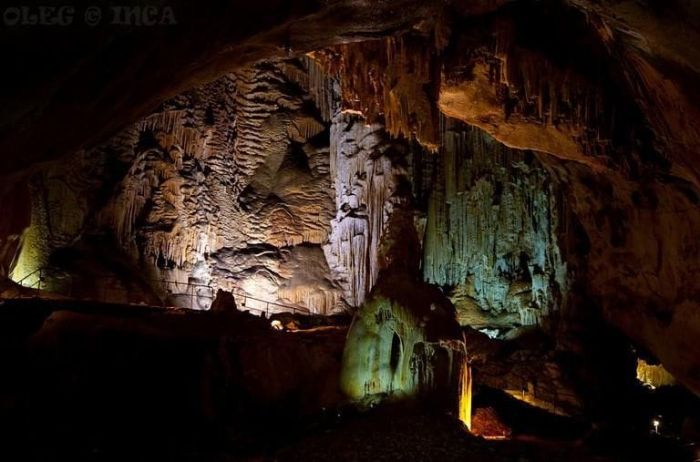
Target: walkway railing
{"points": [[175, 294]]}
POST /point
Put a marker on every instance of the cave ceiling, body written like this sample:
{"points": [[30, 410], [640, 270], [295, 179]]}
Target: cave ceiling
{"points": [[54, 75]]}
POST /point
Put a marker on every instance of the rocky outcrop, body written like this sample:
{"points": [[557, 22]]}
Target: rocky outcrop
{"points": [[226, 186], [639, 259], [653, 375], [527, 368]]}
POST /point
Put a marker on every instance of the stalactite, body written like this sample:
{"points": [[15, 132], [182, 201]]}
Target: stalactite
{"points": [[396, 80], [320, 87], [492, 228], [320, 301], [305, 128], [532, 86]]}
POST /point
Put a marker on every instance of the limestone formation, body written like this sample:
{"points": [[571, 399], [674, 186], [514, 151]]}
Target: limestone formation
{"points": [[492, 232], [398, 345], [365, 180]]}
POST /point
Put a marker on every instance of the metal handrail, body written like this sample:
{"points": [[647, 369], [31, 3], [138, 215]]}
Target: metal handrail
{"points": [[189, 291], [247, 296]]}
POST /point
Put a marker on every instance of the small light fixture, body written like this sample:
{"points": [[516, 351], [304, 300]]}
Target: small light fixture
{"points": [[656, 423]]}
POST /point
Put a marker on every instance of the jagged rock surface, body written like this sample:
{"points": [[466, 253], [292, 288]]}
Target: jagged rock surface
{"points": [[639, 259], [228, 186], [626, 179]]}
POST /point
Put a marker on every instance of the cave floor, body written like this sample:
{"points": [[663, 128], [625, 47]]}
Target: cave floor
{"points": [[405, 434]]}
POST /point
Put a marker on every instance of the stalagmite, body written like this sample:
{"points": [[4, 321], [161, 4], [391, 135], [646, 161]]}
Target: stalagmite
{"points": [[402, 343]]}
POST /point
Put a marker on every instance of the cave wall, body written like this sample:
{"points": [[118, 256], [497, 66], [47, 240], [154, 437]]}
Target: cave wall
{"points": [[638, 261], [57, 201], [226, 185], [256, 183], [239, 199], [201, 181]]}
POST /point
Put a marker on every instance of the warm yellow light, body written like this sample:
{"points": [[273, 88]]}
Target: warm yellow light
{"points": [[465, 395], [653, 376]]}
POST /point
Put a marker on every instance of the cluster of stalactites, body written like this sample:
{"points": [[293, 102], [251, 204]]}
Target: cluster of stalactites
{"points": [[530, 85], [492, 227], [318, 300], [396, 78]]}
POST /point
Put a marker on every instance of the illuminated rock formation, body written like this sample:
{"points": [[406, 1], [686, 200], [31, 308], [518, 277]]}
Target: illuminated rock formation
{"points": [[396, 78], [491, 231], [229, 186], [398, 347], [527, 369], [653, 375], [281, 178], [404, 340], [365, 180], [224, 186], [466, 384]]}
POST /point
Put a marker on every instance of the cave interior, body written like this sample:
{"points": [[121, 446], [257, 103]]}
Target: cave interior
{"points": [[351, 230]]}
